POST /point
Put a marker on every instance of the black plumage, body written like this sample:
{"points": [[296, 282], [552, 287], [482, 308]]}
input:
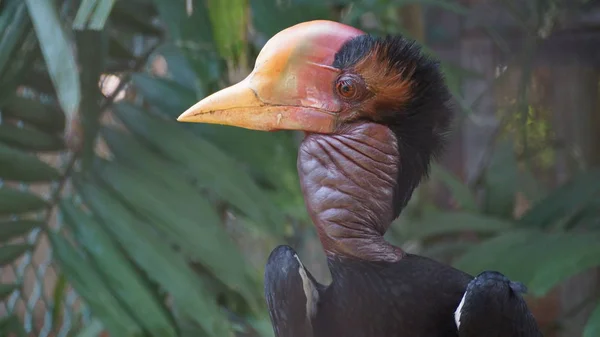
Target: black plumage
{"points": [[411, 298], [285, 282], [492, 306]]}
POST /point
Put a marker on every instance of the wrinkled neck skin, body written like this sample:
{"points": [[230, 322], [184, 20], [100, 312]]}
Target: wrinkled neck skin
{"points": [[349, 180]]}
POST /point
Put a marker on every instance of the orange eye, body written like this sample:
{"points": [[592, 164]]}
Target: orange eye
{"points": [[346, 88]]}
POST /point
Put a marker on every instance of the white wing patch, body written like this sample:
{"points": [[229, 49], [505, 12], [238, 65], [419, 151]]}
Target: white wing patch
{"points": [[458, 311], [310, 291]]}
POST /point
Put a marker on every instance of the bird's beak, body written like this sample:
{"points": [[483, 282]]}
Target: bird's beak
{"points": [[291, 87]]}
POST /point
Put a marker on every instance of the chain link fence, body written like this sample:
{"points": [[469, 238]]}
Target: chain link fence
{"points": [[45, 304]]}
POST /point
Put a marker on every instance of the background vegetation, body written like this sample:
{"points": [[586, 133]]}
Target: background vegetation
{"points": [[115, 219]]}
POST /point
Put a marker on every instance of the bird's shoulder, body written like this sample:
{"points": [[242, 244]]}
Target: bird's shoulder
{"points": [[291, 294]]}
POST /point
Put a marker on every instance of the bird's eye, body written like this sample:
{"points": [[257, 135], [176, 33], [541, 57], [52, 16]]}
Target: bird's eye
{"points": [[346, 88]]}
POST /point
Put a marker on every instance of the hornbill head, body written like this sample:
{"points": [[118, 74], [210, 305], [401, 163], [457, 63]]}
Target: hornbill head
{"points": [[342, 87], [320, 75]]}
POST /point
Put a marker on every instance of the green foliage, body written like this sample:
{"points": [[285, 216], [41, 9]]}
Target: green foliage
{"points": [[500, 181], [90, 285], [442, 223], [593, 327], [150, 215], [12, 324], [92, 51], [459, 191], [282, 14], [9, 252], [229, 21], [92, 14], [158, 260], [22, 166], [14, 24], [57, 53], [122, 278], [42, 116], [17, 228], [30, 139], [13, 201], [565, 201]]}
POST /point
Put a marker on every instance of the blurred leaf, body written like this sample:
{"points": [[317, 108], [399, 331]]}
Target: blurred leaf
{"points": [[117, 50], [15, 202], [6, 290], [530, 185], [134, 17], [539, 260], [21, 65], [158, 260], [573, 254], [14, 24], [86, 8], [92, 48], [592, 328], [220, 173], [455, 75], [89, 285], [270, 156], [178, 67], [20, 166], [194, 36], [485, 256], [12, 229], [584, 217], [186, 218], [92, 14], [98, 19], [130, 152], [448, 5], [45, 117], [228, 18], [500, 181], [459, 190], [93, 329], [182, 26], [272, 16], [443, 223], [563, 201], [59, 299], [33, 74], [521, 260], [445, 250], [11, 325], [262, 326], [10, 252], [28, 138], [168, 96], [57, 52], [117, 272]]}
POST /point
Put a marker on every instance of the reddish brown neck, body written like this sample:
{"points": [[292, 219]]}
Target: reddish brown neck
{"points": [[348, 180]]}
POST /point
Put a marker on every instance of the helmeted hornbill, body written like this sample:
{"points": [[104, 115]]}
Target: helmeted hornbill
{"points": [[375, 111]]}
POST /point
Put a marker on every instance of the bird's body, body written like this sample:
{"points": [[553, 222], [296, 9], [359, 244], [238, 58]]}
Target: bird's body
{"points": [[375, 112], [492, 306], [384, 301], [365, 299]]}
